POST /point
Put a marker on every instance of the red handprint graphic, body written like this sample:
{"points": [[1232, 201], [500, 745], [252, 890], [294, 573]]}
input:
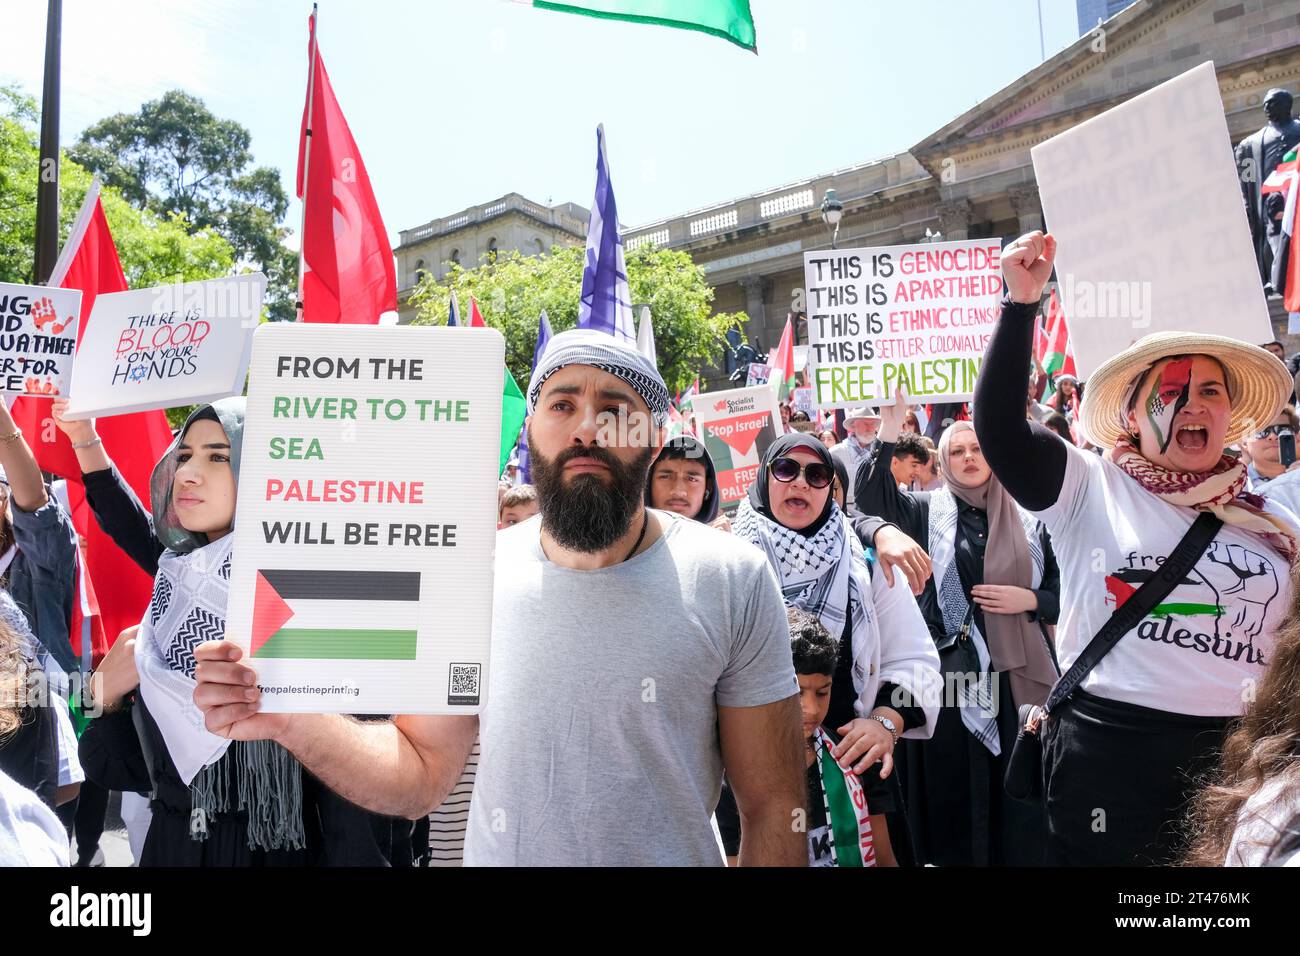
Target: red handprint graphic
{"points": [[44, 313]]}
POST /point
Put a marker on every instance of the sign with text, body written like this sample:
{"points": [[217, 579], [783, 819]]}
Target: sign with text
{"points": [[736, 427], [179, 344], [758, 373], [1145, 204], [363, 565], [38, 336], [913, 317], [802, 401]]}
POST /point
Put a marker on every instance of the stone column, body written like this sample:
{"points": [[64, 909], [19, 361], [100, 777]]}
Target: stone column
{"points": [[757, 289], [954, 218], [1025, 202]]}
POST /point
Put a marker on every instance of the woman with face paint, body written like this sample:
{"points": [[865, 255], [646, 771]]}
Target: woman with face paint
{"points": [[885, 681], [1121, 754], [993, 590]]}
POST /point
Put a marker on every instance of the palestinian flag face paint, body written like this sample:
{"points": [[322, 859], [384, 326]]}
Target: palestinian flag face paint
{"points": [[333, 615], [1168, 396]]}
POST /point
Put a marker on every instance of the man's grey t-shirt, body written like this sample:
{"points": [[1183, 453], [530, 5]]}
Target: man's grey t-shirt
{"points": [[599, 741]]}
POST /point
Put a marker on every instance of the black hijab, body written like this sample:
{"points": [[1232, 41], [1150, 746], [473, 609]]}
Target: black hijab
{"points": [[686, 446], [758, 497]]}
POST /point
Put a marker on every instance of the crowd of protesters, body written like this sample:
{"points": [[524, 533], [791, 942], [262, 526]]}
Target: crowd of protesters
{"points": [[836, 671]]}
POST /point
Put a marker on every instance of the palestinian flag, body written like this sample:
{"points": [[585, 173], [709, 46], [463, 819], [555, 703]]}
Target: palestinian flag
{"points": [[729, 19], [513, 412], [1059, 357], [335, 615], [782, 376], [1286, 269], [475, 317]]}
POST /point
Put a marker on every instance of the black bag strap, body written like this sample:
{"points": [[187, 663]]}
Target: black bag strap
{"points": [[1129, 614]]}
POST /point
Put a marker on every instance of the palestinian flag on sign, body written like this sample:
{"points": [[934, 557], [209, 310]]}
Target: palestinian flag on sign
{"points": [[736, 440], [782, 376], [333, 615]]}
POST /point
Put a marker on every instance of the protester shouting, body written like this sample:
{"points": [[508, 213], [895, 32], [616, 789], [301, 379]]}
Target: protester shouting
{"points": [[1149, 717], [994, 586], [887, 670], [635, 654]]}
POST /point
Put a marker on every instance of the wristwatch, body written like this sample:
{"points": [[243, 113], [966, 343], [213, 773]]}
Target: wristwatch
{"points": [[886, 723]]}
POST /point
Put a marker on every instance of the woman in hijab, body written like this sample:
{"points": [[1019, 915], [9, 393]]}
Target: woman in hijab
{"points": [[993, 589], [886, 675], [1150, 717], [216, 803]]}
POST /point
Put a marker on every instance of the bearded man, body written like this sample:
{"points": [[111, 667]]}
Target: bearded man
{"points": [[635, 655]]}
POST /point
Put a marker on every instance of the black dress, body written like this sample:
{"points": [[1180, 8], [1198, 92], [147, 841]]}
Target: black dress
{"points": [[958, 809], [339, 833]]}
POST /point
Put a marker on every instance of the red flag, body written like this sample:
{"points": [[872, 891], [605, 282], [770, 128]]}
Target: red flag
{"points": [[1040, 340], [135, 442], [348, 272], [475, 317]]}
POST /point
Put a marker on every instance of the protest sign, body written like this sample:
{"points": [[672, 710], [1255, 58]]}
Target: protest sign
{"points": [[736, 427], [38, 335], [159, 348], [1146, 208], [759, 372], [802, 399], [915, 317], [363, 561]]}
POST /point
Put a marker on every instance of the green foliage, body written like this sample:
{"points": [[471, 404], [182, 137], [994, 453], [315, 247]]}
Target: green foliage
{"points": [[512, 290], [177, 160]]}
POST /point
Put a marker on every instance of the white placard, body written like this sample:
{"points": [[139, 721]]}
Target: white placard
{"points": [[1152, 236], [736, 427], [914, 317], [363, 563], [174, 345], [38, 335]]}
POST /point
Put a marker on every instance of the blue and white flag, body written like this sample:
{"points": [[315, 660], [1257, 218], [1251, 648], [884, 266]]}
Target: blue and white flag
{"points": [[543, 338], [453, 311], [606, 304]]}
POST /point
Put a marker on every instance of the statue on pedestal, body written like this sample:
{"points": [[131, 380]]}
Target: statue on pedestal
{"points": [[1257, 156]]}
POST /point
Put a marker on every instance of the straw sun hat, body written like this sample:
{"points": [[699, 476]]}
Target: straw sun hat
{"points": [[1258, 383]]}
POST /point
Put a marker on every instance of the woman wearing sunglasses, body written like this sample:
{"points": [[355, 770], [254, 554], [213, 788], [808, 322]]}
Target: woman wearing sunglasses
{"points": [[885, 684], [994, 587]]}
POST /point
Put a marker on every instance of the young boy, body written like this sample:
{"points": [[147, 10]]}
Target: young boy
{"points": [[518, 504], [840, 831]]}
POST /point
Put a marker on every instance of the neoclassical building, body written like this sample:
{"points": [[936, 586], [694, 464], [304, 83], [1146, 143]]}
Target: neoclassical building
{"points": [[973, 178], [466, 237]]}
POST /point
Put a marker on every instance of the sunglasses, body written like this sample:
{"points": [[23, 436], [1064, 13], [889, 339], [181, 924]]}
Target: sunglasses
{"points": [[1278, 430], [786, 470]]}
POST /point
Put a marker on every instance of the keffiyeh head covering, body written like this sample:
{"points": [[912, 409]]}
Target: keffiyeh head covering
{"points": [[688, 447], [602, 351], [188, 608], [229, 414]]}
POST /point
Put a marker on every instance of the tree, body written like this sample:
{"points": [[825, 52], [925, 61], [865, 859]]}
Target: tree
{"points": [[175, 158], [512, 290], [154, 249]]}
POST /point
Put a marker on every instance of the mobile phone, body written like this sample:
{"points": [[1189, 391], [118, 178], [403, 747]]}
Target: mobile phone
{"points": [[1286, 448]]}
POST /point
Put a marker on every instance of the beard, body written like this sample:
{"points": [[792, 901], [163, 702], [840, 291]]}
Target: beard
{"points": [[586, 513]]}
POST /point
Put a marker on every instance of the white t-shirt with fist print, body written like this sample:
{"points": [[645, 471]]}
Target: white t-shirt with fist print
{"points": [[1203, 649]]}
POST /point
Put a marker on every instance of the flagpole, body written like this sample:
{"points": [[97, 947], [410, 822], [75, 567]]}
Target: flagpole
{"points": [[47, 177], [306, 158]]}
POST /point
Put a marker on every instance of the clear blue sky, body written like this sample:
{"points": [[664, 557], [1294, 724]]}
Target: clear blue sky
{"points": [[456, 102]]}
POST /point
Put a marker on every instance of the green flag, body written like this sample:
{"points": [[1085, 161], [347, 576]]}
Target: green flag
{"points": [[513, 412], [729, 19]]}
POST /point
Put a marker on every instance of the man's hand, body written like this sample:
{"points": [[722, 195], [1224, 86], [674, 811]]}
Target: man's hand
{"points": [[865, 741], [1027, 265], [228, 695], [722, 523], [891, 419], [894, 549], [1004, 599]]}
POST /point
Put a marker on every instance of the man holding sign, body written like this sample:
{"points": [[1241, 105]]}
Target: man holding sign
{"points": [[628, 645]]}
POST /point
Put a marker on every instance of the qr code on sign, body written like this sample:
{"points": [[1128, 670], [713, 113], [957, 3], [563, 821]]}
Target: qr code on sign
{"points": [[463, 684]]}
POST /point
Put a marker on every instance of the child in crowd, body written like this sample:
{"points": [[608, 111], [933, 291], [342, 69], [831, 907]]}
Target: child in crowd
{"points": [[518, 504], [840, 830]]}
